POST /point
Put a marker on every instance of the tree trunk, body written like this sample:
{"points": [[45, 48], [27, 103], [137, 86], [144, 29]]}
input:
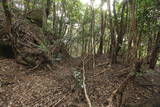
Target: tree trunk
{"points": [[113, 37], [93, 34], [155, 52], [149, 48], [133, 39], [122, 30], [133, 27], [49, 4], [102, 31], [26, 4], [44, 20], [54, 18], [8, 16]]}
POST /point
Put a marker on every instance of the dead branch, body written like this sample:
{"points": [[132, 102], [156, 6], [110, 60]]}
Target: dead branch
{"points": [[122, 72], [102, 64], [84, 85], [49, 67], [35, 67], [63, 98], [99, 73], [59, 101]]}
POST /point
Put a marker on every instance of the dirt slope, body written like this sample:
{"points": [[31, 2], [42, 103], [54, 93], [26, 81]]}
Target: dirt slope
{"points": [[22, 87]]}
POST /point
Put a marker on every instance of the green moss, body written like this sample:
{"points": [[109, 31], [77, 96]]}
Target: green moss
{"points": [[36, 16]]}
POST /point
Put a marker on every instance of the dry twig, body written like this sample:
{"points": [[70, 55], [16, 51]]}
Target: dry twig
{"points": [[99, 73], [84, 85], [59, 101], [102, 64]]}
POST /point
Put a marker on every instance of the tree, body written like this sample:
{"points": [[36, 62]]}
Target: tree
{"points": [[8, 16], [155, 52], [133, 37], [48, 7], [103, 26], [44, 19], [117, 29], [121, 29], [112, 35], [26, 4]]}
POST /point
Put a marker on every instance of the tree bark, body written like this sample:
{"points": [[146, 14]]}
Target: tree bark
{"points": [[48, 7], [54, 18], [26, 7], [44, 19], [155, 52], [133, 39], [122, 30], [113, 36], [102, 31], [8, 16], [93, 34]]}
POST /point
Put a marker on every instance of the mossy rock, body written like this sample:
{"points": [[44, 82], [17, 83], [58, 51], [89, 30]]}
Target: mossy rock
{"points": [[35, 16]]}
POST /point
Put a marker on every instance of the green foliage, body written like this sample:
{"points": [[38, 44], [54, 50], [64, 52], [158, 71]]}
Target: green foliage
{"points": [[43, 47], [73, 23], [137, 74], [147, 16], [78, 77], [158, 63], [149, 70]]}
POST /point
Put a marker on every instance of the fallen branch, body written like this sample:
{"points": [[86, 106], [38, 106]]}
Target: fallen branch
{"points": [[34, 67], [99, 73], [49, 67], [63, 98], [84, 86], [122, 72], [102, 64], [60, 100]]}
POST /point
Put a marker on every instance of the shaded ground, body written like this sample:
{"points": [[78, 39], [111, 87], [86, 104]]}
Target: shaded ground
{"points": [[20, 86]]}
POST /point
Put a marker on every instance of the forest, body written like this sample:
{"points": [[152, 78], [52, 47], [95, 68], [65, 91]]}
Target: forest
{"points": [[79, 53]]}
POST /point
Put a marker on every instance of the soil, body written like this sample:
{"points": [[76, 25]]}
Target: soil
{"points": [[20, 86]]}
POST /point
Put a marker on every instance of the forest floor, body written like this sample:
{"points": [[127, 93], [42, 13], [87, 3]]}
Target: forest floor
{"points": [[22, 86]]}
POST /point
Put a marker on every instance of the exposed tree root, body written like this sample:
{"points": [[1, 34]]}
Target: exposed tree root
{"points": [[118, 94]]}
